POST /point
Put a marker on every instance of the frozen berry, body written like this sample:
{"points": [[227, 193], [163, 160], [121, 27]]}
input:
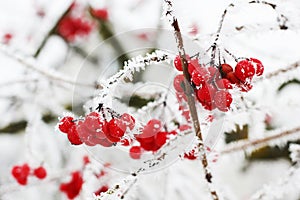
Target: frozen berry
{"points": [[177, 62], [65, 124], [178, 83], [128, 120], [224, 84], [73, 187], [232, 78], [223, 100], [226, 68], [259, 68], [206, 93], [73, 136], [135, 152], [40, 172], [244, 70]]}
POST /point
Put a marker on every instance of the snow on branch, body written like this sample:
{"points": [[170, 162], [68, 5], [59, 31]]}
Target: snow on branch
{"points": [[32, 64], [277, 137]]}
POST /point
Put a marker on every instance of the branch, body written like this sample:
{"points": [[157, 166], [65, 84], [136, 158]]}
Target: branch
{"points": [[31, 64], [244, 145], [190, 95]]}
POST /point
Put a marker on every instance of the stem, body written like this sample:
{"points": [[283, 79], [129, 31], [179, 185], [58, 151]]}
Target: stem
{"points": [[190, 96], [51, 32], [259, 142]]}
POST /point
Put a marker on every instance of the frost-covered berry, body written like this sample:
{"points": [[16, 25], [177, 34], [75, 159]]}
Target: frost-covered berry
{"points": [[223, 84], [244, 70], [73, 136], [223, 100], [135, 152], [65, 124], [259, 68], [178, 83], [73, 187], [226, 68], [177, 62], [40, 172]]}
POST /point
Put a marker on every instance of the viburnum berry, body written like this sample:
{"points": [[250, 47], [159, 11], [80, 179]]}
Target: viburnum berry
{"points": [[73, 136], [21, 173], [161, 138], [115, 130], [103, 188], [223, 84], [232, 78], [65, 124], [259, 68], [72, 188], [40, 172], [128, 120], [226, 68], [206, 93], [223, 100], [244, 70], [69, 28], [100, 13], [193, 65], [178, 83], [177, 62], [135, 152], [197, 78]]}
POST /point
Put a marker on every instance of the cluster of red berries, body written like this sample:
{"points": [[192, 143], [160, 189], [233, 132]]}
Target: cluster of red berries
{"points": [[95, 130], [152, 138], [212, 84], [73, 187], [22, 172], [71, 27]]}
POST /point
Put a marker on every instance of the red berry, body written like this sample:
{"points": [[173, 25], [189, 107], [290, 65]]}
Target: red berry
{"points": [[115, 130], [161, 138], [259, 68], [135, 152], [128, 120], [101, 189], [69, 28], [244, 70], [245, 87], [73, 136], [197, 78], [224, 84], [101, 13], [178, 83], [223, 100], [206, 93], [226, 68], [177, 62], [65, 124], [40, 172], [193, 65], [232, 78], [20, 173], [72, 188]]}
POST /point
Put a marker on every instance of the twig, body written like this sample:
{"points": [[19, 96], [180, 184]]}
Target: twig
{"points": [[259, 142], [190, 95], [30, 63]]}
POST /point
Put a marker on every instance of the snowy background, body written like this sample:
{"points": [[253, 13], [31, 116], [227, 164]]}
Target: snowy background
{"points": [[31, 100]]}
